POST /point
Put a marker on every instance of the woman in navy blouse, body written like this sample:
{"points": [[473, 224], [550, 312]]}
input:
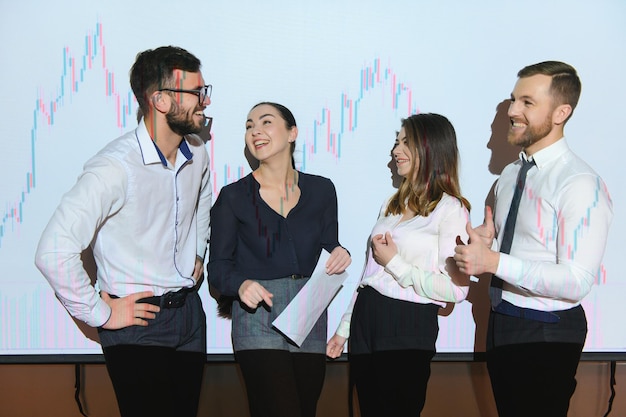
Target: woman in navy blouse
{"points": [[267, 232]]}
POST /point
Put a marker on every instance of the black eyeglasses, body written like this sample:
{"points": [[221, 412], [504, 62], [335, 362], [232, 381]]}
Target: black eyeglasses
{"points": [[203, 92]]}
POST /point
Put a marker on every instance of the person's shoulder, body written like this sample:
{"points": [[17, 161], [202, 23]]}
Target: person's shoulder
{"points": [[451, 202], [449, 199], [561, 161], [114, 154], [315, 180], [317, 185], [577, 165], [579, 177], [450, 207], [237, 194], [571, 174], [120, 147]]}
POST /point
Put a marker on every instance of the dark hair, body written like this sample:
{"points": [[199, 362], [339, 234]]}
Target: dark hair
{"points": [[287, 116], [431, 139], [285, 113], [154, 69], [565, 86]]}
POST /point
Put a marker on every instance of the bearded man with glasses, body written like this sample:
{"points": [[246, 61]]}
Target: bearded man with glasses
{"points": [[142, 204]]}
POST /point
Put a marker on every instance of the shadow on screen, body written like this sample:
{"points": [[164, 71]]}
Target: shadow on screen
{"points": [[396, 179], [502, 153]]}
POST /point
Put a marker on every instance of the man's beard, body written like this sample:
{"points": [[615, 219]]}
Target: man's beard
{"points": [[532, 134], [180, 122]]}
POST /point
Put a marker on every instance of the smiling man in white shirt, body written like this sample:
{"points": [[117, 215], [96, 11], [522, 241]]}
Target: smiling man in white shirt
{"points": [[537, 331], [142, 204]]}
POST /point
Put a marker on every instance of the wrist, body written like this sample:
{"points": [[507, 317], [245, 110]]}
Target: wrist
{"points": [[495, 262]]}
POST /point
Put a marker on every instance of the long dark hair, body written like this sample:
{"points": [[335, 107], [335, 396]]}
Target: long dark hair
{"points": [[431, 139]]}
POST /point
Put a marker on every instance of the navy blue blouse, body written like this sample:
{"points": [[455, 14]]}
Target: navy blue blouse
{"points": [[249, 240]]}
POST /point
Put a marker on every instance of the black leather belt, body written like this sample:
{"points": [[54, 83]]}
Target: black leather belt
{"points": [[512, 310], [296, 276], [169, 299]]}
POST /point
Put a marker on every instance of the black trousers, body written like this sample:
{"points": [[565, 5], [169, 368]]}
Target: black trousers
{"points": [[391, 383], [157, 370], [155, 381], [392, 343], [280, 383], [533, 379]]}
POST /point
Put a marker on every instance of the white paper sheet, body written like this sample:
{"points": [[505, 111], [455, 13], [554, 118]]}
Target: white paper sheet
{"points": [[301, 314]]}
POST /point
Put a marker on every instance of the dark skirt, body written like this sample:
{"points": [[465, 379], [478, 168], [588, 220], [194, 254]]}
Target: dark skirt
{"points": [[381, 323]]}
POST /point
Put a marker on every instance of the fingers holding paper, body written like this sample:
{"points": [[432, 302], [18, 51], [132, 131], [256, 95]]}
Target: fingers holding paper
{"points": [[338, 261]]}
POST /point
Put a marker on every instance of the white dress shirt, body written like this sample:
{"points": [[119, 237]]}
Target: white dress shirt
{"points": [[418, 272], [145, 219], [561, 230]]}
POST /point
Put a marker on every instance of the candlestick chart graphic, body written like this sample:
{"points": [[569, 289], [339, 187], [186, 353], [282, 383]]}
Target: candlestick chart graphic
{"points": [[74, 67], [31, 320], [324, 137]]}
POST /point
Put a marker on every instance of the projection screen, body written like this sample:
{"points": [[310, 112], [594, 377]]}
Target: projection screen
{"points": [[349, 71]]}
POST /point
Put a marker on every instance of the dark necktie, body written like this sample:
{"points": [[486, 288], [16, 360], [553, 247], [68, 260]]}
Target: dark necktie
{"points": [[495, 291]]}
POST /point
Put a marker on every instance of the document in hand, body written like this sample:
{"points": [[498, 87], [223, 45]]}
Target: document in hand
{"points": [[301, 314]]}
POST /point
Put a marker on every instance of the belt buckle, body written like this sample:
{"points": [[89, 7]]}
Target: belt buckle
{"points": [[174, 299]]}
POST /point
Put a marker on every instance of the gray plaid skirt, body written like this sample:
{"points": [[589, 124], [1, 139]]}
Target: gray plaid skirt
{"points": [[252, 329]]}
